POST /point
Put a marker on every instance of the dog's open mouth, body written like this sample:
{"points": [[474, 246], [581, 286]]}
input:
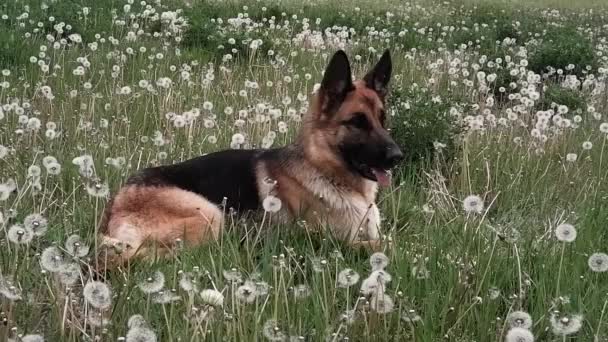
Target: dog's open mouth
{"points": [[382, 176]]}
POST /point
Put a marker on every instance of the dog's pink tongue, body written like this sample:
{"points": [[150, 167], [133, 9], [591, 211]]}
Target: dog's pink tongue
{"points": [[383, 177]]}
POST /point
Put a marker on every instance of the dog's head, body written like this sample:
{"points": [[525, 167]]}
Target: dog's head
{"points": [[349, 117]]}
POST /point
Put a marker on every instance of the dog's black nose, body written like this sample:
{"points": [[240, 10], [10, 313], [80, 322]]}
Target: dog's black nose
{"points": [[393, 156]]}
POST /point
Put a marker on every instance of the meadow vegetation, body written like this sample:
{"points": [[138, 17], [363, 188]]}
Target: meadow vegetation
{"points": [[495, 228]]}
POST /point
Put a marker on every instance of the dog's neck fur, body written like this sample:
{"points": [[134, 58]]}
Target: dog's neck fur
{"points": [[325, 179], [312, 162]]}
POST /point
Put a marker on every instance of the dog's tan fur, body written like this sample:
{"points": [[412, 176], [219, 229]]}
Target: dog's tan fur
{"points": [[154, 218]]}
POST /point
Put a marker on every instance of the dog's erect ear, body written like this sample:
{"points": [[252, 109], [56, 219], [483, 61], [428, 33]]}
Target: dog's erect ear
{"points": [[337, 82], [378, 78]]}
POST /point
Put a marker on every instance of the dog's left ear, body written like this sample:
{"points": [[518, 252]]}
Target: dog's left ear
{"points": [[377, 79], [337, 82]]}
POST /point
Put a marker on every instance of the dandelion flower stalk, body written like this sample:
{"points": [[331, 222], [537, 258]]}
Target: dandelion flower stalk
{"points": [[559, 271]]}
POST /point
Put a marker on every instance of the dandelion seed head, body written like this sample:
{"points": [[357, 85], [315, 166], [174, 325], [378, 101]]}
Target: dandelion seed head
{"points": [[246, 293], [272, 332], [420, 272], [32, 338], [371, 286], [153, 283], [232, 275], [53, 169], [571, 157], [301, 291], [473, 204], [52, 259], [69, 274], [349, 316], [587, 145], [76, 247], [48, 160], [565, 232], [34, 171], [140, 334], [100, 190], [136, 321], [518, 334], [36, 223], [382, 303], [212, 297], [598, 262], [566, 325], [98, 294], [347, 278], [519, 319], [9, 290], [378, 261], [187, 281], [19, 234], [272, 204], [165, 297], [381, 276], [97, 319], [261, 288], [494, 293]]}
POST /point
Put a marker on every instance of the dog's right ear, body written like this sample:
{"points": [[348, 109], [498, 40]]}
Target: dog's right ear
{"points": [[337, 82]]}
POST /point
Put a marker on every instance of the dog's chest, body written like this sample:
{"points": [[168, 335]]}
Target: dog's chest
{"points": [[351, 214]]}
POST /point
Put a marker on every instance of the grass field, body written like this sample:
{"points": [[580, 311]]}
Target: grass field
{"points": [[506, 101]]}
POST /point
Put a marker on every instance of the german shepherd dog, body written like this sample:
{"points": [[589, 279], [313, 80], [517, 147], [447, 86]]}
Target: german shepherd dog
{"points": [[328, 176]]}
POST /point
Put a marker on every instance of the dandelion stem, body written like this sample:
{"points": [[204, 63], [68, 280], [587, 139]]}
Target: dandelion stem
{"points": [[559, 272], [599, 324]]}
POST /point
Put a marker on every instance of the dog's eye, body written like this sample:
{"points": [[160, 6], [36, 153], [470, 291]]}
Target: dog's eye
{"points": [[359, 120]]}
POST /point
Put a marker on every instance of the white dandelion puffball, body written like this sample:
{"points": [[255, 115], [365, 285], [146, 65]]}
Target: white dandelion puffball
{"points": [[232, 275], [519, 335], [381, 276], [212, 297], [165, 297], [20, 234], [272, 204], [571, 157], [519, 319], [187, 281], [70, 274], [246, 293], [272, 332], [347, 278], [98, 294], [371, 286], [382, 303], [598, 262], [36, 223], [137, 321], [52, 259], [565, 232], [587, 145], [301, 291], [140, 334], [473, 204], [32, 338], [76, 247], [152, 284], [566, 325], [378, 261]]}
